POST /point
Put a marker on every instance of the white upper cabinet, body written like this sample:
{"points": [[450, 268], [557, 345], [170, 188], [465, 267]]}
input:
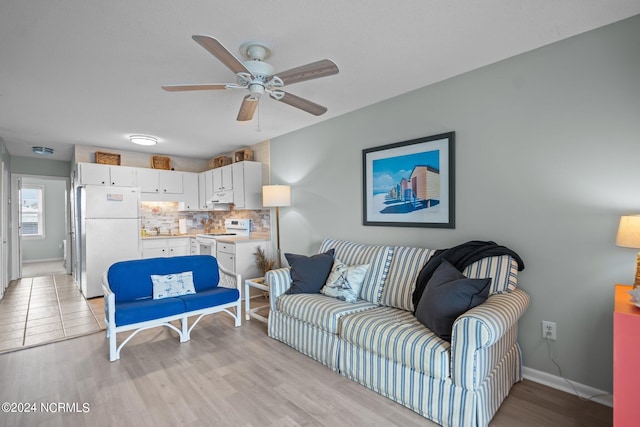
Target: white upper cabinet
{"points": [[148, 180], [170, 182], [247, 187], [202, 184], [191, 191], [160, 181], [122, 176], [99, 174], [223, 178]]}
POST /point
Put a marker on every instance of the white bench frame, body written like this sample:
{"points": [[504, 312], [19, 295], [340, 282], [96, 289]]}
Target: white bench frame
{"points": [[228, 278]]}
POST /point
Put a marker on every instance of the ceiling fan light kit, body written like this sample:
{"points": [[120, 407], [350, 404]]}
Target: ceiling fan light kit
{"points": [[259, 77]]}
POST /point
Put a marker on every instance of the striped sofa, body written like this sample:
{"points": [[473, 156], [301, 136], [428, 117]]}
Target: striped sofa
{"points": [[378, 343]]}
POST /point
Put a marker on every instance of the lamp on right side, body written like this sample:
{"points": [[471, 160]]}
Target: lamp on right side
{"points": [[629, 237], [276, 196]]}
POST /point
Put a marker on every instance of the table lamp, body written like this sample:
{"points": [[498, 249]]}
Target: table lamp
{"points": [[629, 237], [276, 196]]}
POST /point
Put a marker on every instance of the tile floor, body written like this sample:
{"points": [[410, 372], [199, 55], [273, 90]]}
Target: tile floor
{"points": [[37, 310]]}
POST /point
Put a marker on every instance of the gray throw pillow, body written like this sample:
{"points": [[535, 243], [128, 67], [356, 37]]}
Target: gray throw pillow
{"points": [[308, 274], [448, 294]]}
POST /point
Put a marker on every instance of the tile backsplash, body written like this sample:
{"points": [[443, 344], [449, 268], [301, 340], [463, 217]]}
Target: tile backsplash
{"points": [[165, 216]]}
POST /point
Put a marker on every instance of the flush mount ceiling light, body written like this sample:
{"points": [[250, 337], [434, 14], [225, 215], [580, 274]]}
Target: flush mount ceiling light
{"points": [[42, 150], [143, 139]]}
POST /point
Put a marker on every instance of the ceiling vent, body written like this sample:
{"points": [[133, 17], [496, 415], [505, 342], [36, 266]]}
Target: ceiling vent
{"points": [[46, 151]]}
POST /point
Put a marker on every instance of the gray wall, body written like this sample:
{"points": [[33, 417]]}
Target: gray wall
{"points": [[547, 153], [45, 167], [49, 247]]}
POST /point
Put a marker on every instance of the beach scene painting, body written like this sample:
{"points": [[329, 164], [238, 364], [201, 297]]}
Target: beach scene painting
{"points": [[410, 183]]}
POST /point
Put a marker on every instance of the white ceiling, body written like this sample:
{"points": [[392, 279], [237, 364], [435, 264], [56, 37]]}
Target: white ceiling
{"points": [[89, 71]]}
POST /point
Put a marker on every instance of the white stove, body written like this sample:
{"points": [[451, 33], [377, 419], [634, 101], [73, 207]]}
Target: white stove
{"points": [[233, 227]]}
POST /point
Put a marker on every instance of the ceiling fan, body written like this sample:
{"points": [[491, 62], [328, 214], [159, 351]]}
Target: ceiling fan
{"points": [[259, 77]]}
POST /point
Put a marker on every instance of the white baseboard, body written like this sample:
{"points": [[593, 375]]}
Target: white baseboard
{"points": [[554, 381], [42, 260]]}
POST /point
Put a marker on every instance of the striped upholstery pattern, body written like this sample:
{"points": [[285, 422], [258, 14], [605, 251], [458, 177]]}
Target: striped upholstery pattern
{"points": [[378, 258], [497, 385], [319, 310], [482, 336], [502, 269], [279, 282], [316, 343], [436, 399], [401, 280], [386, 349], [439, 400], [397, 335]]}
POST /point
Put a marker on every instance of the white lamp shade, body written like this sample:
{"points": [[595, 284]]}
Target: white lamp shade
{"points": [[276, 195], [629, 232]]}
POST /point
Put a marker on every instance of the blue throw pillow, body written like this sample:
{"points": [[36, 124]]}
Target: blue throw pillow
{"points": [[448, 294], [308, 274]]}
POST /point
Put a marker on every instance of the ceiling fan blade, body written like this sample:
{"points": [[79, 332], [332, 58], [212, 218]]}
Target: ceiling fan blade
{"points": [[247, 108], [301, 103], [314, 70], [219, 51], [212, 86]]}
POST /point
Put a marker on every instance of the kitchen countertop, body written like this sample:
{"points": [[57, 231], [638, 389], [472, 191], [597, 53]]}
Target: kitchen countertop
{"points": [[167, 236], [226, 239]]}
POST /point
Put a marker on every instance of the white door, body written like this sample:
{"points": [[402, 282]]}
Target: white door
{"points": [[4, 220], [16, 227]]}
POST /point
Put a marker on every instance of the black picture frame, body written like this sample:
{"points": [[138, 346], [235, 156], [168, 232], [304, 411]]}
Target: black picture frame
{"points": [[410, 183]]}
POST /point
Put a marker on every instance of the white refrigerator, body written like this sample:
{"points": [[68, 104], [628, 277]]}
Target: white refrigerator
{"points": [[109, 231]]}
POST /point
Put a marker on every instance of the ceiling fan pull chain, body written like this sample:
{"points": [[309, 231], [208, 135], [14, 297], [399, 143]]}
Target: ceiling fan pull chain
{"points": [[258, 128]]}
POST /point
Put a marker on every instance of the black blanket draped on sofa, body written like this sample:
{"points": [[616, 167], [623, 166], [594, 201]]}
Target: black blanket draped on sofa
{"points": [[460, 256]]}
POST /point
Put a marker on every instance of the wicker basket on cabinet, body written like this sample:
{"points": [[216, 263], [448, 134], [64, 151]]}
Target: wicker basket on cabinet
{"points": [[218, 162], [161, 162], [107, 158]]}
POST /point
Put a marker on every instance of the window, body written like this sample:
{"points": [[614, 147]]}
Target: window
{"points": [[31, 198]]}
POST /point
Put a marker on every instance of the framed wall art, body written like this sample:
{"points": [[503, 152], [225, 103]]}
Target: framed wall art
{"points": [[410, 183]]}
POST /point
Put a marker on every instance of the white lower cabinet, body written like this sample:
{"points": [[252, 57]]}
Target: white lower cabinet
{"points": [[155, 248], [240, 257]]}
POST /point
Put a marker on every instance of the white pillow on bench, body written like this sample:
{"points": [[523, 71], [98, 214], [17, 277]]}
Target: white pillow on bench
{"points": [[172, 285]]}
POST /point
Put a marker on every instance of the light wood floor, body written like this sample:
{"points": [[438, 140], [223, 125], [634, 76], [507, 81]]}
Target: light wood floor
{"points": [[228, 376]]}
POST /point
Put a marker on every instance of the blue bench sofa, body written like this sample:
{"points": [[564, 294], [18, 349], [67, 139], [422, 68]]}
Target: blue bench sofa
{"points": [[129, 303], [379, 343]]}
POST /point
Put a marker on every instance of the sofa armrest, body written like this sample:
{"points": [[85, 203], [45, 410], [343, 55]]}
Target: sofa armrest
{"points": [[109, 302], [229, 279], [279, 282], [483, 335]]}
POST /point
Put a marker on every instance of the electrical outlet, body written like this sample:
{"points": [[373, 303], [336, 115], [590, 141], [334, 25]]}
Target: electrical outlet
{"points": [[549, 330]]}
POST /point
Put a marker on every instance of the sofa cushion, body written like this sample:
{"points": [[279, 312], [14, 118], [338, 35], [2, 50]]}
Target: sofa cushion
{"points": [[319, 310], [503, 270], [378, 258], [448, 295], [344, 281], [209, 298], [401, 280], [308, 274], [398, 336], [172, 285], [147, 309], [122, 275]]}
